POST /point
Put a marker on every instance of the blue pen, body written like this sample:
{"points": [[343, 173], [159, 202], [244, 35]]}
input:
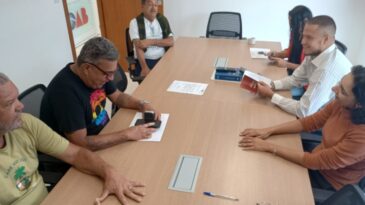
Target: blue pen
{"points": [[220, 196]]}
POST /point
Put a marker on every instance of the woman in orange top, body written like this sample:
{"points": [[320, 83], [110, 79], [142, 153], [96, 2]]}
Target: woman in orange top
{"points": [[297, 18], [340, 158]]}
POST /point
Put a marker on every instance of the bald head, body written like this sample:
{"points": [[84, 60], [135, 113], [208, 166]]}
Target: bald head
{"points": [[3, 78], [325, 23], [10, 107]]}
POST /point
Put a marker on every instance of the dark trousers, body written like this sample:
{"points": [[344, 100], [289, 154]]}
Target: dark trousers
{"points": [[318, 181], [290, 71], [316, 178], [150, 64]]}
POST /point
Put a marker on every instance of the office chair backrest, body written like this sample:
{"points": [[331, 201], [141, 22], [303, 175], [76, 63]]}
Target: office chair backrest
{"points": [[50, 168], [129, 44], [121, 82], [32, 98], [120, 79], [341, 47], [348, 195], [224, 25]]}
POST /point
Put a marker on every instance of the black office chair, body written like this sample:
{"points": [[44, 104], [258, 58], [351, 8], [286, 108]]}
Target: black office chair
{"points": [[32, 98], [121, 82], [120, 79], [348, 195], [341, 47], [132, 62], [224, 25], [50, 168], [322, 195]]}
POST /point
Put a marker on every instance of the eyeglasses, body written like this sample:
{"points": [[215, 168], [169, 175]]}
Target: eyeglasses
{"points": [[106, 74]]}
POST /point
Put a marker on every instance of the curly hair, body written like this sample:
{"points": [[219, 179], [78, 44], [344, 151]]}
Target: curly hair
{"points": [[358, 113]]}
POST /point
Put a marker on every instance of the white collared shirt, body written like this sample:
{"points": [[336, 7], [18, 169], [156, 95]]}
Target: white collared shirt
{"points": [[153, 31], [321, 73]]}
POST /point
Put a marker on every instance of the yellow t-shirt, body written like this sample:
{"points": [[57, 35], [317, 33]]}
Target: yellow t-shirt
{"points": [[20, 180]]}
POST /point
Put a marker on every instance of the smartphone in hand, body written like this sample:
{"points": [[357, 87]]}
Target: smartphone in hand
{"points": [[149, 116]]}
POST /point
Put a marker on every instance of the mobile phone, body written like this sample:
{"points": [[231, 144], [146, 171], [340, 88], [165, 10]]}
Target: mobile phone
{"points": [[149, 116]]}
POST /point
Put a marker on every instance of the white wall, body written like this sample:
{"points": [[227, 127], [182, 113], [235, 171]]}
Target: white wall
{"points": [[268, 20], [34, 40], [35, 44], [361, 55]]}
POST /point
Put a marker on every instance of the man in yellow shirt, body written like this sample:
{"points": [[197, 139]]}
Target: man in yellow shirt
{"points": [[22, 135]]}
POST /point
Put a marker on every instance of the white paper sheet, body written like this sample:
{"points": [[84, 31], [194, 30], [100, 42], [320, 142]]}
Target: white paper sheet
{"points": [[187, 87], [157, 135], [259, 52]]}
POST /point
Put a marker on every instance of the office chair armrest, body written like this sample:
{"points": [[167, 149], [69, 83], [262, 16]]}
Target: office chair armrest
{"points": [[131, 60], [138, 79]]}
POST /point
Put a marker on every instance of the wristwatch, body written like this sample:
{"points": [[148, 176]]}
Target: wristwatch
{"points": [[272, 85], [142, 103]]}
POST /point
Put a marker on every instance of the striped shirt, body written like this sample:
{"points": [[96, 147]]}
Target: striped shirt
{"points": [[321, 72]]}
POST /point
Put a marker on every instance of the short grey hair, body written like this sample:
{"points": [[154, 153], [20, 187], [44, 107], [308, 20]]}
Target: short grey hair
{"points": [[3, 78], [97, 48]]}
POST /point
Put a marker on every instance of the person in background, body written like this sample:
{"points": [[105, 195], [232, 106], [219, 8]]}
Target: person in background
{"points": [[22, 135], [297, 18], [151, 35], [340, 158], [323, 66], [74, 102]]}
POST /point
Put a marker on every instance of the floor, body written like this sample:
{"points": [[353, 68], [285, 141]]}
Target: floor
{"points": [[131, 85]]}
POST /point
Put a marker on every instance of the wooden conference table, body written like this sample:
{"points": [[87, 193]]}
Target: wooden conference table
{"points": [[205, 126]]}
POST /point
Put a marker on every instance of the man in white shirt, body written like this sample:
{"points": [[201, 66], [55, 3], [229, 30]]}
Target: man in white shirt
{"points": [[151, 35], [323, 67]]}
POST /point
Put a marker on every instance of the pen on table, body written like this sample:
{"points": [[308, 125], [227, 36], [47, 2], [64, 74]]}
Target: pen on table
{"points": [[221, 196]]}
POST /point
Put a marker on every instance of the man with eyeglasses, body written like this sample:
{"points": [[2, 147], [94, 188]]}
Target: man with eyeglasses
{"points": [[22, 135], [151, 35], [74, 102]]}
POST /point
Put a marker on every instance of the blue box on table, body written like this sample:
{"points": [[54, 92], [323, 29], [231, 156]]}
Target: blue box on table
{"points": [[230, 74]]}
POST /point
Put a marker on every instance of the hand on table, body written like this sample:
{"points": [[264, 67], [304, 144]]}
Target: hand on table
{"points": [[278, 62], [139, 132], [121, 187]]}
